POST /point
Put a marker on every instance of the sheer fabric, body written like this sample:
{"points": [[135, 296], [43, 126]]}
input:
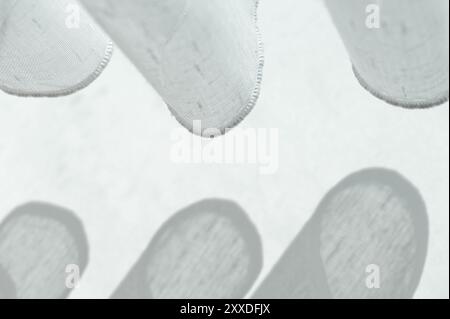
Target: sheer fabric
{"points": [[49, 48], [203, 57]]}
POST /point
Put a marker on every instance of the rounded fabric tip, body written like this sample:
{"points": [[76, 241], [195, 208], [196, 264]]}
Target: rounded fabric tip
{"points": [[399, 49], [204, 58], [49, 48]]}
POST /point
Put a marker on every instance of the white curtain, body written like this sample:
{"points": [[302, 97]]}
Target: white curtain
{"points": [[203, 57], [49, 48]]}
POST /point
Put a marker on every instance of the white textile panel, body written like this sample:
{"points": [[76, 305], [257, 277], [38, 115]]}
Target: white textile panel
{"points": [[204, 57], [49, 47], [399, 49]]}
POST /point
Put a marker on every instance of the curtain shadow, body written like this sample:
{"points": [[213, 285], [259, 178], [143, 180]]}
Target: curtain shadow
{"points": [[208, 250], [7, 288], [37, 242], [367, 239]]}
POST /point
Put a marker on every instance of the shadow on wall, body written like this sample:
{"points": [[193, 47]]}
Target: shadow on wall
{"points": [[7, 289], [37, 242], [207, 250], [367, 239]]}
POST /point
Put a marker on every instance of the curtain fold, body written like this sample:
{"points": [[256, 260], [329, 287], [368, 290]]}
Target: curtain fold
{"points": [[203, 57], [399, 49], [49, 48]]}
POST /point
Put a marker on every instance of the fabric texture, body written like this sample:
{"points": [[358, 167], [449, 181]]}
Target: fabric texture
{"points": [[404, 60], [49, 48], [203, 57]]}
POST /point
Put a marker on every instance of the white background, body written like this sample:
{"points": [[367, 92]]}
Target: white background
{"points": [[105, 152]]}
